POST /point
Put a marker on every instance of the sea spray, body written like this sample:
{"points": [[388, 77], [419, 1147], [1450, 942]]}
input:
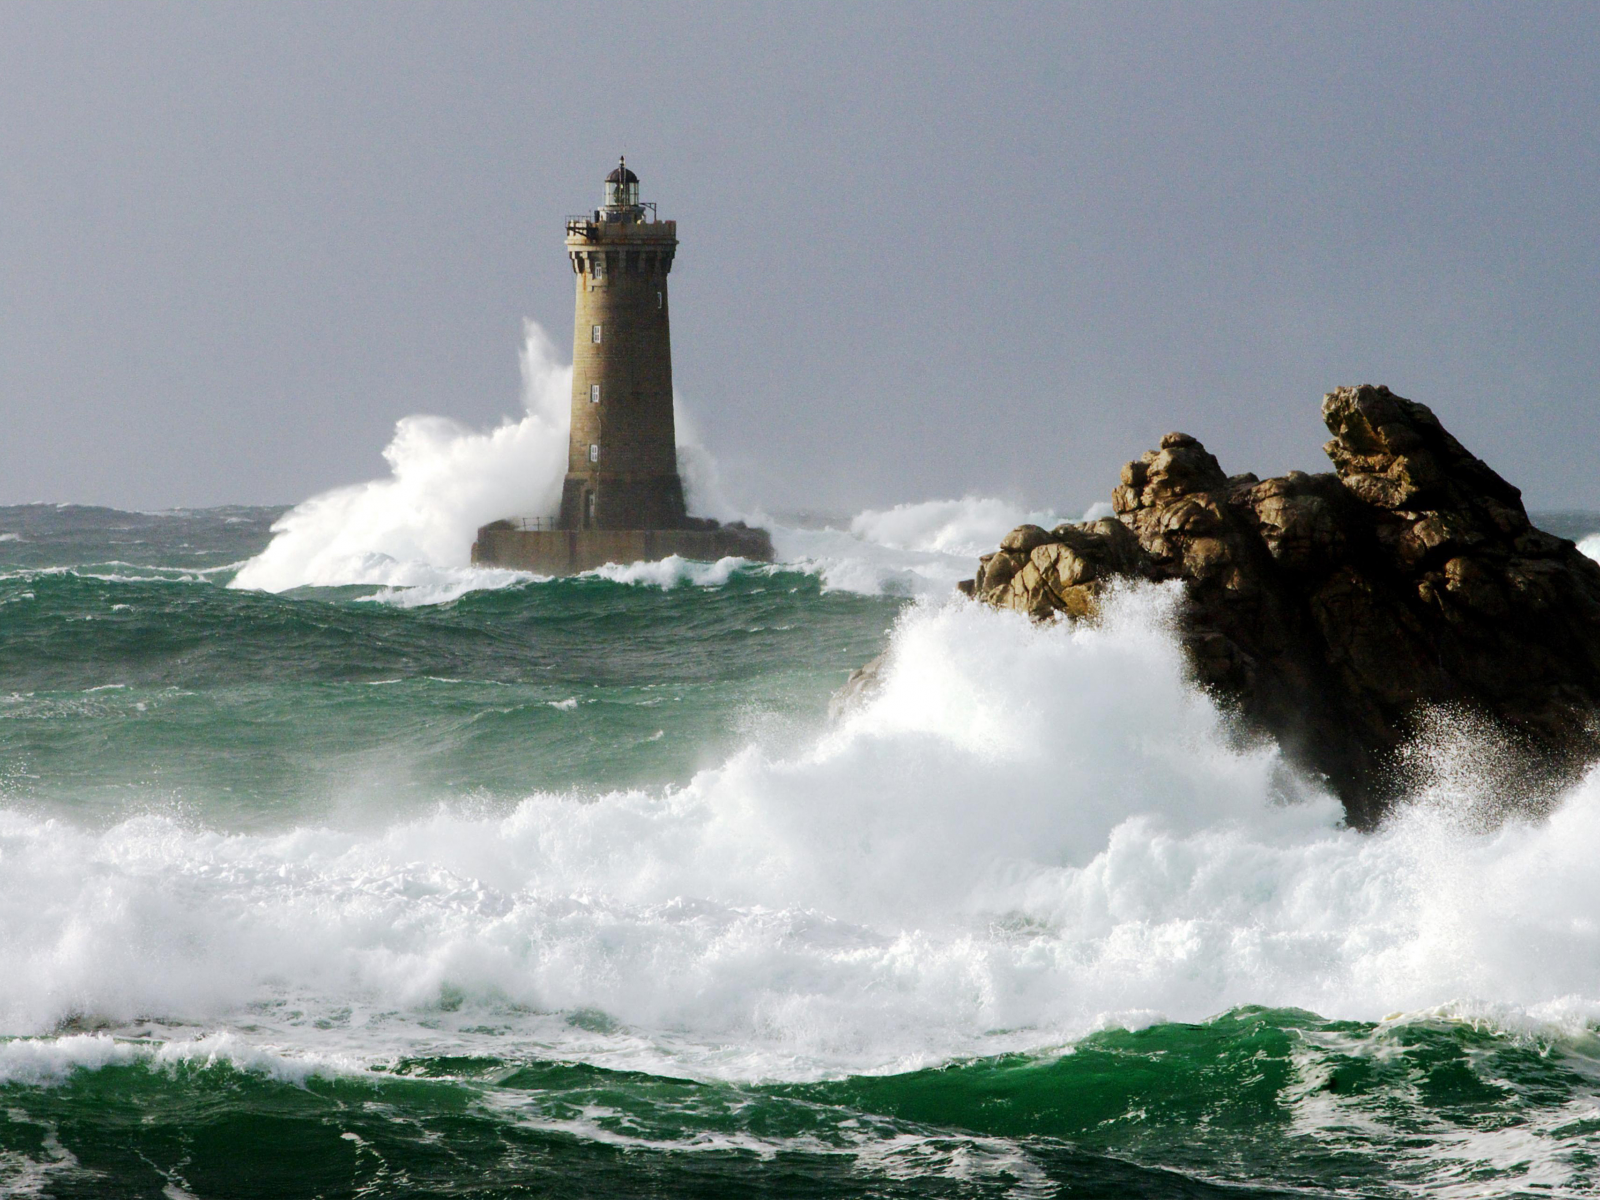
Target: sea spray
{"points": [[1029, 830], [415, 528], [913, 549], [410, 534], [444, 482], [574, 879], [968, 527]]}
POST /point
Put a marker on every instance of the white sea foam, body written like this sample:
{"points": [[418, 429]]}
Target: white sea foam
{"points": [[129, 573], [415, 528], [1591, 546], [911, 549], [412, 532], [1030, 830], [967, 527], [416, 585], [669, 572], [49, 1060]]}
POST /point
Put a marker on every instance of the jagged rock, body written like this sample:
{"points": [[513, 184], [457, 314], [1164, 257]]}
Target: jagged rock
{"points": [[1062, 570], [1336, 611]]}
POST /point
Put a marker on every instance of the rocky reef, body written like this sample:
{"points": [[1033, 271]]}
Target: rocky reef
{"points": [[1334, 612]]}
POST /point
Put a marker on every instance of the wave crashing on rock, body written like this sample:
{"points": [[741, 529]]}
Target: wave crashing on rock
{"points": [[1342, 613]]}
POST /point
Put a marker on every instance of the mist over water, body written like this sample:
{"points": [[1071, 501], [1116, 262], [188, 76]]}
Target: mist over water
{"points": [[303, 807]]}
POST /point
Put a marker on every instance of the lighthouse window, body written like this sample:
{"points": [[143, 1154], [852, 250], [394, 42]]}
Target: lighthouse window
{"points": [[594, 334], [658, 299], [594, 393], [599, 267], [594, 450]]}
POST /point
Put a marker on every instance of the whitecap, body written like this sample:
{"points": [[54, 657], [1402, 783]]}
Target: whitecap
{"points": [[670, 572], [1028, 833]]}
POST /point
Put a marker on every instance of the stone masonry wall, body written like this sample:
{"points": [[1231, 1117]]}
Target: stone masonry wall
{"points": [[621, 279]]}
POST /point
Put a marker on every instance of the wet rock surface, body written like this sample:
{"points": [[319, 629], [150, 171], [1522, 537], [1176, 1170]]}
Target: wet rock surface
{"points": [[1337, 612]]}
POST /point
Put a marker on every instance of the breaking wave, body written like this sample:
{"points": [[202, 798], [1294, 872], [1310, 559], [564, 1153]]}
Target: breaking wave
{"points": [[1028, 834], [410, 534], [415, 528], [918, 549]]}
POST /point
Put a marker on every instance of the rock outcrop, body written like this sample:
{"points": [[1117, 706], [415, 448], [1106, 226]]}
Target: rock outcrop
{"points": [[1335, 611]]}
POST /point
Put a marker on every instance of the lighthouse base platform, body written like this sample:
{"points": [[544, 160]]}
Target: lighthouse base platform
{"points": [[512, 544]]}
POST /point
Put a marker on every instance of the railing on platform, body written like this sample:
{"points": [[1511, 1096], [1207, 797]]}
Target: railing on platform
{"points": [[534, 524], [584, 223]]}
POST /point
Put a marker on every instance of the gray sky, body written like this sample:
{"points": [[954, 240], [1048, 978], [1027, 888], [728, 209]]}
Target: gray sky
{"points": [[925, 249]]}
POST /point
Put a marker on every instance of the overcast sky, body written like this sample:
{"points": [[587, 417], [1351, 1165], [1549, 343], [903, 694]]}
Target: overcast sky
{"points": [[926, 250]]}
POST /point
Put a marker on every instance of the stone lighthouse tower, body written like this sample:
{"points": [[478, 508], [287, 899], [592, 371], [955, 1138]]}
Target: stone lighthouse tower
{"points": [[622, 500], [622, 469]]}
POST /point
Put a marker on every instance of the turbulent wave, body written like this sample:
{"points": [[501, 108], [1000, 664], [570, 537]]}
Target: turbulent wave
{"points": [[575, 874], [917, 549], [416, 527], [967, 527], [413, 530], [1274, 1098], [410, 534], [1029, 833]]}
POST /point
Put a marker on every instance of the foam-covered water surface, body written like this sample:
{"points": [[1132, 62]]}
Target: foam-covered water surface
{"points": [[577, 879]]}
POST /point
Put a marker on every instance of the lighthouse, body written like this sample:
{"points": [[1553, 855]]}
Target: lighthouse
{"points": [[622, 462], [622, 499]]}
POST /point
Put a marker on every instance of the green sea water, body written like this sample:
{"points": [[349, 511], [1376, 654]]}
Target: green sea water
{"points": [[574, 888]]}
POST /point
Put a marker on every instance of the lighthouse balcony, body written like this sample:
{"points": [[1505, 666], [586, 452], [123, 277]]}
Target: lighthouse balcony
{"points": [[598, 227]]}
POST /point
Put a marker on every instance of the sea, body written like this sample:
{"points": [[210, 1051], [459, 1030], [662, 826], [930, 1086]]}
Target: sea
{"points": [[332, 866]]}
